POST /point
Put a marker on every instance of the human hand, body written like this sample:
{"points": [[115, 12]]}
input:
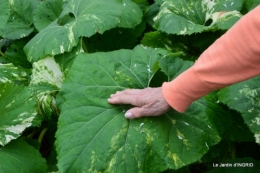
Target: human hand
{"points": [[147, 102]]}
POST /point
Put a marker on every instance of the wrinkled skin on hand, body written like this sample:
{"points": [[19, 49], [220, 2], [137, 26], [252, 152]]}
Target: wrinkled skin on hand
{"points": [[147, 102]]}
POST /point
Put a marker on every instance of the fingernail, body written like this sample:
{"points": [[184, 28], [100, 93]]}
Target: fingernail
{"points": [[128, 115]]}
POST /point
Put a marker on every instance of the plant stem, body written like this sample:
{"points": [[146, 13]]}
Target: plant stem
{"points": [[42, 135], [33, 133], [2, 54], [84, 46]]}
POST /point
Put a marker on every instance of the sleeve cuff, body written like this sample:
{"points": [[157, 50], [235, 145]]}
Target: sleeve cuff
{"points": [[183, 90]]}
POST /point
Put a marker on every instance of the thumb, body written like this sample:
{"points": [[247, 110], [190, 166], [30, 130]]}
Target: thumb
{"points": [[135, 112]]}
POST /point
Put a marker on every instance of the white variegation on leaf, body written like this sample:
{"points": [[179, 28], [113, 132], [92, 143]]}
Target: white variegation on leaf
{"points": [[195, 16], [257, 138], [46, 80], [46, 71], [46, 105], [11, 74], [17, 111]]}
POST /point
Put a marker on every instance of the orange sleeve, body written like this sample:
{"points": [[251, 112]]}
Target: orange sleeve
{"points": [[232, 58]]}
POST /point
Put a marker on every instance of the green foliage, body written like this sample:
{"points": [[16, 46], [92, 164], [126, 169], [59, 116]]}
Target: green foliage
{"points": [[20, 20], [4, 13], [17, 111], [195, 16], [249, 5], [47, 12], [75, 21], [15, 54], [18, 156], [244, 97], [61, 59], [12, 74], [105, 127]]}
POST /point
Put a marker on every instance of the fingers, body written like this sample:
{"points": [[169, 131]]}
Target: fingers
{"points": [[129, 96], [124, 97], [147, 110], [147, 102]]}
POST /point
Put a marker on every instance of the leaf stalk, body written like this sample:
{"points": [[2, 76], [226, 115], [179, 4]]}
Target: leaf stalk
{"points": [[42, 134], [84, 47], [2, 54]]}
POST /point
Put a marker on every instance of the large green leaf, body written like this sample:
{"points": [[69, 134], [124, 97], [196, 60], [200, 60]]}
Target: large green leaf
{"points": [[194, 16], [18, 156], [46, 12], [4, 14], [94, 136], [245, 98], [82, 18], [17, 111], [20, 22]]}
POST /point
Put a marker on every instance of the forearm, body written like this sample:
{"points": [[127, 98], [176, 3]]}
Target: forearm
{"points": [[232, 58]]}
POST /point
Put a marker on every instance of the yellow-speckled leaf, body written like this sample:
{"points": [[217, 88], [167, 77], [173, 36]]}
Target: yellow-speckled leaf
{"points": [[94, 136]]}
